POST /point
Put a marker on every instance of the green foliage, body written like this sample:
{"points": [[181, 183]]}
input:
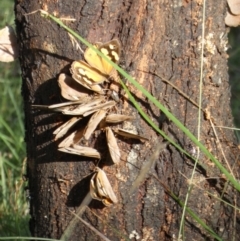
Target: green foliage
{"points": [[234, 72], [13, 205], [151, 123], [7, 13]]}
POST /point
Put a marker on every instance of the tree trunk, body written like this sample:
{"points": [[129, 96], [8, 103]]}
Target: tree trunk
{"points": [[158, 37]]}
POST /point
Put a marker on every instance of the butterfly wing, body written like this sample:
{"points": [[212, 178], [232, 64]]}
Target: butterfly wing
{"points": [[97, 70], [87, 76], [112, 51], [129, 134]]}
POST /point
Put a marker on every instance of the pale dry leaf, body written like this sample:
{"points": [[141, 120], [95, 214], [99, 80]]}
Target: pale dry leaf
{"points": [[70, 89], [61, 106], [112, 146], [8, 45], [93, 123], [81, 151], [105, 106], [72, 139], [101, 189], [64, 128], [117, 118], [129, 134], [234, 6], [78, 107], [91, 106], [115, 96], [232, 20]]}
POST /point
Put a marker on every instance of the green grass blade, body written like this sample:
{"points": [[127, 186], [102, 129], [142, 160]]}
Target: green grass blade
{"points": [[157, 103]]}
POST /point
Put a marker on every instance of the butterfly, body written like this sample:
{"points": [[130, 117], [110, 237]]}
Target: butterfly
{"points": [[96, 69]]}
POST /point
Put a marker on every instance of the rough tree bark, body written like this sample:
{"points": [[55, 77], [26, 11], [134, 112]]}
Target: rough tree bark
{"points": [[162, 37]]}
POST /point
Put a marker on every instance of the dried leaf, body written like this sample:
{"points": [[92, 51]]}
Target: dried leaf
{"points": [[234, 6], [93, 123], [72, 139], [8, 45], [81, 151], [129, 134], [105, 106], [70, 89], [115, 96], [60, 106], [74, 107], [232, 20], [85, 108], [64, 128], [117, 118], [112, 146], [101, 189]]}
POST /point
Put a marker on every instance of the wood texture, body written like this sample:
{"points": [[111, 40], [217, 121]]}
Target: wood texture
{"points": [[158, 37]]}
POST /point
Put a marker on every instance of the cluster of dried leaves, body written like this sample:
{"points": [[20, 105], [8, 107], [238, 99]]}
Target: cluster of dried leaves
{"points": [[93, 92], [88, 94]]}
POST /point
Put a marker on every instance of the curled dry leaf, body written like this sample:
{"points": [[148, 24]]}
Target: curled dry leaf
{"points": [[93, 123], [8, 45], [84, 108], [81, 151], [112, 146], [101, 189], [60, 106], [117, 118], [72, 139], [77, 107], [129, 134], [69, 108], [232, 20], [64, 128], [70, 89], [234, 6], [105, 106]]}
